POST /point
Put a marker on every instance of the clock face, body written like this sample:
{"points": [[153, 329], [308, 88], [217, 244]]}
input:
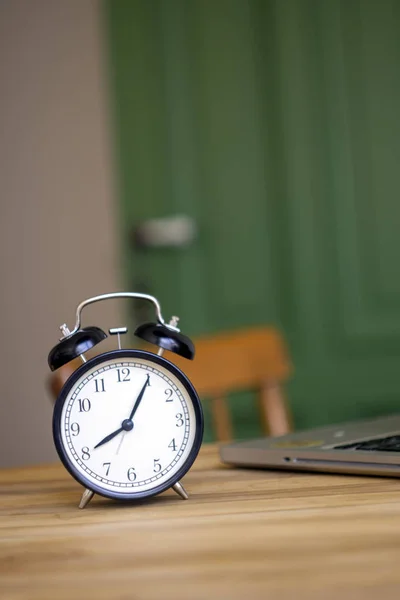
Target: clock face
{"points": [[128, 424]]}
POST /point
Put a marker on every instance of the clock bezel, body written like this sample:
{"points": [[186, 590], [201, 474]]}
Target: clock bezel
{"points": [[118, 355]]}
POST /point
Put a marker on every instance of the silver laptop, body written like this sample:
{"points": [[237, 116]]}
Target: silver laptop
{"points": [[365, 447]]}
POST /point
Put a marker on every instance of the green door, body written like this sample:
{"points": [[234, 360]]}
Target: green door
{"points": [[274, 126]]}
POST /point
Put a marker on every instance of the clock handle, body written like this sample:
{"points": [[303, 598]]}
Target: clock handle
{"points": [[114, 295]]}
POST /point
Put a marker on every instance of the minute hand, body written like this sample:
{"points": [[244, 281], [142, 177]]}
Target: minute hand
{"points": [[139, 398]]}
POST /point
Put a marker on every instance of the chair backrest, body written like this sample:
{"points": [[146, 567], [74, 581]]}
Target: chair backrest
{"points": [[250, 359], [57, 379]]}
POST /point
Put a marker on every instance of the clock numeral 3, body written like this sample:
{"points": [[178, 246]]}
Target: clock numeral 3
{"points": [[172, 445], [131, 474], [75, 429], [107, 466], [99, 385], [123, 375], [84, 405], [180, 421], [85, 453], [157, 466]]}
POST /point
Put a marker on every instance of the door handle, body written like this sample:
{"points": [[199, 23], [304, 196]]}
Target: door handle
{"points": [[176, 231]]}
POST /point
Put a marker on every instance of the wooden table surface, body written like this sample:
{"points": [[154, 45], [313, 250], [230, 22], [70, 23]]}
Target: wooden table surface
{"points": [[243, 534]]}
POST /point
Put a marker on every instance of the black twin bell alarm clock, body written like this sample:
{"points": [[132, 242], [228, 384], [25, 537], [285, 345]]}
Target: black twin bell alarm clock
{"points": [[128, 423]]}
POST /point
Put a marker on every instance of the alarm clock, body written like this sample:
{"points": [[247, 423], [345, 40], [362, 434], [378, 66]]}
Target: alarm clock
{"points": [[128, 423]]}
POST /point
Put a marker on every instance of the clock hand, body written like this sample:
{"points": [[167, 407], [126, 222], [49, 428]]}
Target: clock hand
{"points": [[139, 398], [127, 424], [120, 443], [109, 437]]}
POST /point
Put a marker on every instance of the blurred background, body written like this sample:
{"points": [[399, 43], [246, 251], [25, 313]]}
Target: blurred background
{"points": [[238, 159]]}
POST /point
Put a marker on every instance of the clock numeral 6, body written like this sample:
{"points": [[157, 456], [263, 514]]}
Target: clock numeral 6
{"points": [[85, 453], [131, 474], [84, 405], [157, 466], [180, 421], [75, 429]]}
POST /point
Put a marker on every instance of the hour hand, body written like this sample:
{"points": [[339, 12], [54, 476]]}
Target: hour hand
{"points": [[109, 437]]}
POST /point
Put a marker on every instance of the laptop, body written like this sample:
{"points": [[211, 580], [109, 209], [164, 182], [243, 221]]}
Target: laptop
{"points": [[370, 447]]}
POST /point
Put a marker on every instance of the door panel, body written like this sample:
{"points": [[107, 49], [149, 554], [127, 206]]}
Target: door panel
{"points": [[275, 126]]}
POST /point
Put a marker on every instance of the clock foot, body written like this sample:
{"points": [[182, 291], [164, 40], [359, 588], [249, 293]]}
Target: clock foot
{"points": [[86, 498], [180, 490]]}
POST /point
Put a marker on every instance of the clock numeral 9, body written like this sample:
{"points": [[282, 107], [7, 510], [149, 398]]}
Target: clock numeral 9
{"points": [[180, 421], [157, 466], [84, 405], [123, 375], [169, 393], [75, 429], [131, 474], [85, 453]]}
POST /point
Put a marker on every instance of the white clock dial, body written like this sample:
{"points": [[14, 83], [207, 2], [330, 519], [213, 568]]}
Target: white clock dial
{"points": [[127, 425]]}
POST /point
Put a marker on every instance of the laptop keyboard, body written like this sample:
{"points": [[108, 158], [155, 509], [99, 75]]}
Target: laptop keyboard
{"points": [[386, 444]]}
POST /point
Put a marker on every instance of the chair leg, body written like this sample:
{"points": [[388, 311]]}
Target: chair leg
{"points": [[274, 412], [221, 419]]}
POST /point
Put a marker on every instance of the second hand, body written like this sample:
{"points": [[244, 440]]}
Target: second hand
{"points": [[120, 442]]}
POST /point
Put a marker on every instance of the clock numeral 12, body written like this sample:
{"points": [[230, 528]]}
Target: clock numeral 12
{"points": [[123, 375]]}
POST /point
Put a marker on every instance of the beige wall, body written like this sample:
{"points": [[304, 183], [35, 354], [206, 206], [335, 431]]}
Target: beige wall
{"points": [[57, 221]]}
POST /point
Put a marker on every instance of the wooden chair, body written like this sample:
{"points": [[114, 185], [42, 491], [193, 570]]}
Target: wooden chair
{"points": [[57, 379], [250, 359]]}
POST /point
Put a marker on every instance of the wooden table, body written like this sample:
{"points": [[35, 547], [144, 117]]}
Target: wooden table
{"points": [[243, 534]]}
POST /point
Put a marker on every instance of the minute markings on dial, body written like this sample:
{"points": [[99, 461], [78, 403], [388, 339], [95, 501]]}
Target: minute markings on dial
{"points": [[87, 420]]}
